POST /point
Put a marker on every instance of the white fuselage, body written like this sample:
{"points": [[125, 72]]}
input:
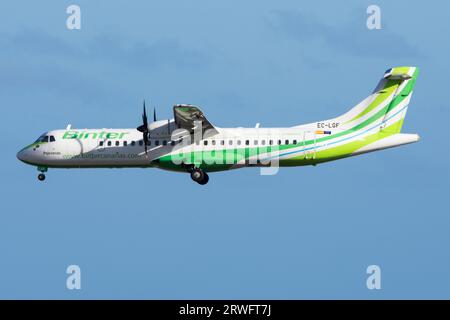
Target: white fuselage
{"points": [[124, 147], [90, 148]]}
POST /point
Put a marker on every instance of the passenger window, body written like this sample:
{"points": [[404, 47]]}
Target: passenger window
{"points": [[109, 143], [271, 142], [100, 143], [164, 143], [156, 142], [125, 143], [286, 142], [117, 143], [239, 142], [247, 142], [256, 142], [279, 142], [222, 142], [172, 143], [230, 142], [213, 142], [205, 142], [263, 142], [294, 142], [133, 143], [141, 142]]}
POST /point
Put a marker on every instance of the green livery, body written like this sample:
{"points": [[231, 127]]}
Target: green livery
{"points": [[93, 135], [190, 143]]}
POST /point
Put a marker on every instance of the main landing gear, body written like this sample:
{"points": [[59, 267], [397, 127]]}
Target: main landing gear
{"points": [[197, 174], [41, 176]]}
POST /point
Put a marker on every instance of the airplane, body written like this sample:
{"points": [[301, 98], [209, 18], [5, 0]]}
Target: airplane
{"points": [[189, 143]]}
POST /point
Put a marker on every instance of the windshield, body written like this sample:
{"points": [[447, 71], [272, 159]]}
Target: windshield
{"points": [[43, 138]]}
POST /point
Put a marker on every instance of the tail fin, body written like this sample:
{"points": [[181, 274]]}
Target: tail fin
{"points": [[388, 103]]}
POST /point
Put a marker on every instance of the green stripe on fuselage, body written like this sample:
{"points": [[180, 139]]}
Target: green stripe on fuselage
{"points": [[211, 163], [236, 155]]}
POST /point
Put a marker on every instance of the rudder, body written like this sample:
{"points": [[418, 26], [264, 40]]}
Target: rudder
{"points": [[393, 90]]}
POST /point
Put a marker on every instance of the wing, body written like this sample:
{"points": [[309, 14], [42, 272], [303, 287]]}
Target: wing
{"points": [[186, 117]]}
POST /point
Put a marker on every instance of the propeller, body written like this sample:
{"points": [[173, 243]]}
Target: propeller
{"points": [[154, 114], [144, 128]]}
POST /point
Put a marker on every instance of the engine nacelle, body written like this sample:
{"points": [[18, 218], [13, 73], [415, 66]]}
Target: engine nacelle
{"points": [[164, 129]]}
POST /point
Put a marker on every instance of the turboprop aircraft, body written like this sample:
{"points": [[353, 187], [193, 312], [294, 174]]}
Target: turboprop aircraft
{"points": [[190, 143]]}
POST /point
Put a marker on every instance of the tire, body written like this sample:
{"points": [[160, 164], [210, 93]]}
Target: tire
{"points": [[197, 175], [41, 177], [205, 179]]}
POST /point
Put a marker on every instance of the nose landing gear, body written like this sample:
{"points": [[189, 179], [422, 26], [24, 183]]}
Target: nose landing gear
{"points": [[42, 170]]}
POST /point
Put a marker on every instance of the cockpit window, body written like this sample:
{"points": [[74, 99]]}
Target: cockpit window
{"points": [[43, 138]]}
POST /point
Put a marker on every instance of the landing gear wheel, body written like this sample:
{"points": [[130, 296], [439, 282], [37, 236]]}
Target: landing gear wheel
{"points": [[199, 176], [205, 179], [41, 177]]}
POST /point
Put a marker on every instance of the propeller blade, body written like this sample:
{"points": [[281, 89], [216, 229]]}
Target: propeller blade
{"points": [[144, 128], [144, 116], [154, 114]]}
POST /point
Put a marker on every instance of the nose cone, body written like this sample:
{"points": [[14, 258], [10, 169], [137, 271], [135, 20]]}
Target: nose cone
{"points": [[23, 155]]}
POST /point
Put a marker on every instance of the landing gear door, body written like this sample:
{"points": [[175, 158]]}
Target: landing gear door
{"points": [[309, 145]]}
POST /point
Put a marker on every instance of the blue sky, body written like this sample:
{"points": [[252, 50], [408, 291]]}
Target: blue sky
{"points": [[306, 232]]}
